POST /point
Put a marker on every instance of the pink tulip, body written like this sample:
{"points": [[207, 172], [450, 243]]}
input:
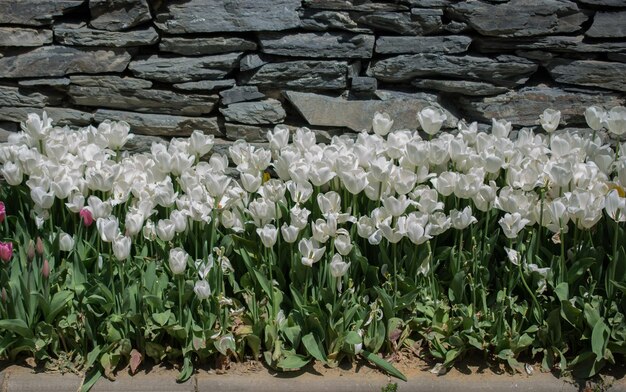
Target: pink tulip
{"points": [[45, 270], [39, 246], [4, 296], [3, 212], [87, 217], [6, 251]]}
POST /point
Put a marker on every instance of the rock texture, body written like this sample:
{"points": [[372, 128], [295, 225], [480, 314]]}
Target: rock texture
{"points": [[84, 36], [184, 69], [18, 36], [116, 15], [62, 60], [323, 110], [206, 16], [332, 45], [521, 18], [235, 68], [160, 124]]}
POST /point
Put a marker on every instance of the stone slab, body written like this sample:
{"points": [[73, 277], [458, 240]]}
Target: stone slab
{"points": [[14, 96], [524, 106], [116, 15], [355, 5], [34, 12], [205, 85], [504, 69], [318, 45], [23, 380], [60, 116], [240, 94], [6, 129], [207, 16], [465, 87], [269, 111], [322, 110], [110, 81], [605, 74], [608, 25], [143, 100], [184, 69], [60, 83], [565, 44], [201, 46], [85, 36], [251, 61], [161, 124], [302, 74], [50, 61], [520, 18], [19, 36], [325, 20], [436, 44], [418, 22]]}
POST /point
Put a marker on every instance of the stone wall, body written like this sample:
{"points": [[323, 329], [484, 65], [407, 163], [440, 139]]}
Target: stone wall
{"points": [[235, 68]]}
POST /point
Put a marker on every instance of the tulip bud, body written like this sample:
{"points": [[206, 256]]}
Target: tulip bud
{"points": [[6, 251], [39, 246], [30, 251], [45, 270], [86, 216], [4, 296], [3, 212]]}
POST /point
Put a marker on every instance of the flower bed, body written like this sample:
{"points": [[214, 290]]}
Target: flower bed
{"points": [[451, 243]]}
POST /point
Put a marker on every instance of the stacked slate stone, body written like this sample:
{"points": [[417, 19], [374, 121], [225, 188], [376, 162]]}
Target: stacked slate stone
{"points": [[236, 68]]}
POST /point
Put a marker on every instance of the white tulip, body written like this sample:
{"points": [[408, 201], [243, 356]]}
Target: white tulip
{"points": [[615, 206], [121, 247], [310, 252], [338, 267], [595, 117], [512, 255], [178, 260], [200, 144], [354, 180], [616, 120], [66, 242], [290, 233], [41, 198], [274, 190], [300, 191], [396, 206], [500, 128], [279, 137], [299, 217], [165, 229], [108, 228], [550, 119], [12, 173], [133, 223], [268, 235], [512, 224], [462, 219], [431, 119], [202, 289], [37, 128], [381, 123], [343, 244]]}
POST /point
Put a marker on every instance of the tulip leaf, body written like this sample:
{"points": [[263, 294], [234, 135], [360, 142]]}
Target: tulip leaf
{"points": [[293, 362], [381, 363], [599, 337], [314, 348], [59, 300], [18, 326], [265, 284]]}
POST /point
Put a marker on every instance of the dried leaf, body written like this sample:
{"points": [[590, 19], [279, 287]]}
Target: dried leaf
{"points": [[135, 360], [529, 369]]}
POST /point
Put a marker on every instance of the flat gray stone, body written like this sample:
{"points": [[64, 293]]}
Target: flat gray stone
{"points": [[303, 74], [520, 18], [19, 36], [456, 27], [621, 57], [240, 94], [429, 3], [354, 5], [269, 111], [322, 110], [24, 380], [50, 61], [607, 3], [207, 16], [608, 25], [363, 85], [60, 116], [60, 83], [205, 85], [184, 69], [115, 15], [160, 124], [524, 106], [249, 133], [505, 70], [416, 22], [609, 75], [318, 45], [110, 81], [317, 20], [85, 36], [34, 12], [437, 44], [13, 96], [6, 129], [143, 100], [200, 46], [561, 44], [464, 87], [251, 61], [139, 144]]}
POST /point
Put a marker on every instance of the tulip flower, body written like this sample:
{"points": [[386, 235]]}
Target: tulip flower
{"points": [[6, 251], [595, 117], [550, 119], [381, 123], [310, 252], [202, 289], [289, 233], [39, 246], [66, 242], [616, 120], [268, 235], [121, 247], [178, 260], [431, 119], [86, 216], [500, 128], [3, 212], [45, 269], [279, 137], [512, 224]]}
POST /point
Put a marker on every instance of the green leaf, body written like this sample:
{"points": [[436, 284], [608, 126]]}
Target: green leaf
{"points": [[187, 371], [18, 326], [91, 378], [59, 300], [314, 348], [162, 318], [599, 338], [265, 284], [381, 363], [562, 291], [353, 338], [293, 362]]}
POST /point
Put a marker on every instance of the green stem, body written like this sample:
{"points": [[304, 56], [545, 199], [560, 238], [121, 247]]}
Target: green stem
{"points": [[181, 287]]}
